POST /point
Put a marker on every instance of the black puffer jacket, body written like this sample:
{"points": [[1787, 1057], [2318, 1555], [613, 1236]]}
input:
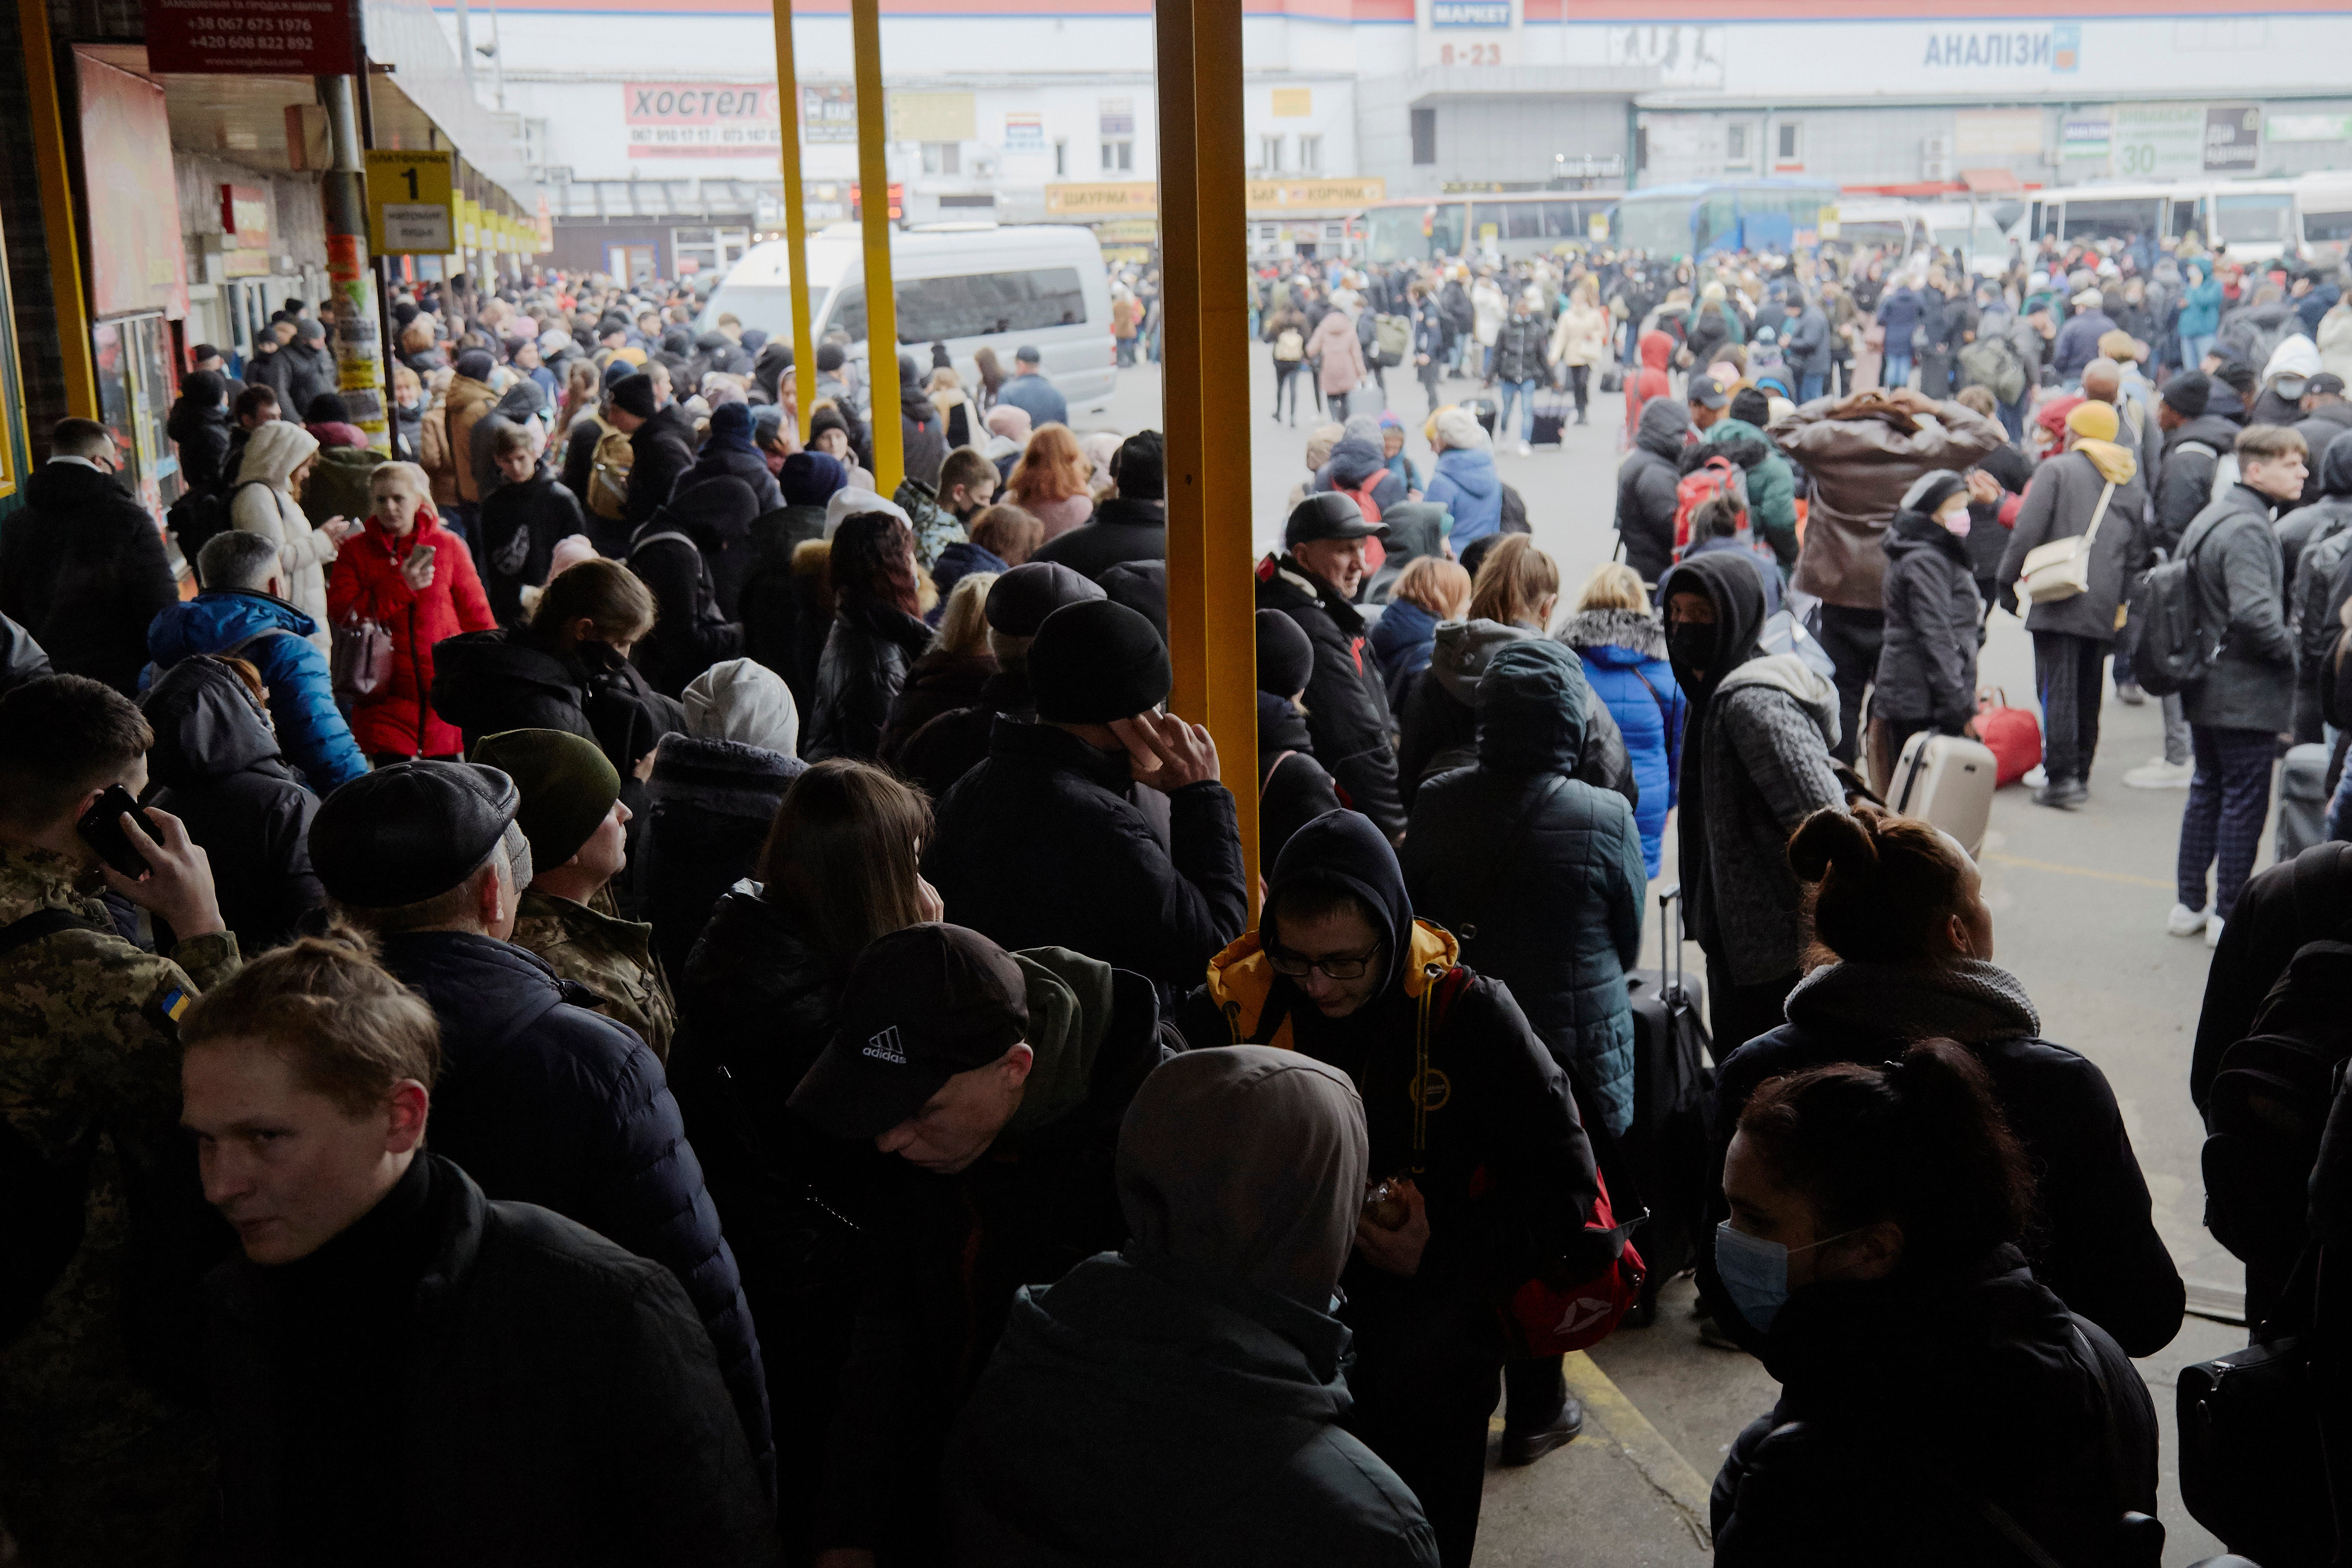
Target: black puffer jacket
{"points": [[219, 764], [1441, 717], [663, 446], [1539, 875], [955, 742], [781, 587], [1347, 697], [671, 554], [2322, 533], [936, 682], [485, 682], [2191, 453], [1646, 481], [201, 430], [1901, 1399], [867, 656], [1046, 844], [2096, 1246], [1928, 661], [711, 804], [82, 569], [756, 1000], [520, 526], [1293, 790], [549, 1397], [543, 1101]]}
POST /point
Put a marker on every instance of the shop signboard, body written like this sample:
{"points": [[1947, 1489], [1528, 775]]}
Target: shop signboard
{"points": [[259, 38], [828, 112], [244, 227], [2233, 138], [2157, 141], [701, 119], [410, 206], [1116, 198]]}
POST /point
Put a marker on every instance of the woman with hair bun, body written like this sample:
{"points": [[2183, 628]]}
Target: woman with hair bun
{"points": [[1933, 1393], [1901, 950]]}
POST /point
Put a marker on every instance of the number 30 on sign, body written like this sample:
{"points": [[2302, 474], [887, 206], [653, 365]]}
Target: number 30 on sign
{"points": [[411, 205]]}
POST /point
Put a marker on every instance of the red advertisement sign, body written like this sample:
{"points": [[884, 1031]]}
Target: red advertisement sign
{"points": [[701, 119], [258, 38]]}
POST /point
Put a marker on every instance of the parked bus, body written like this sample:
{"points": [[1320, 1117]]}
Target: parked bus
{"points": [[1510, 224], [2255, 220], [2326, 203], [961, 284], [1900, 228], [1699, 218]]}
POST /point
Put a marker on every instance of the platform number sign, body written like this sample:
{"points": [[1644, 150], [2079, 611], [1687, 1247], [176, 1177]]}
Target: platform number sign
{"points": [[412, 205]]}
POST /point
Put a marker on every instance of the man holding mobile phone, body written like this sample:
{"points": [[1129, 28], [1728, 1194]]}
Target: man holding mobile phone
{"points": [[96, 1464]]}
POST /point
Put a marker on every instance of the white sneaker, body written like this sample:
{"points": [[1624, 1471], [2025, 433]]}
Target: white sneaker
{"points": [[2186, 922], [2213, 931], [2161, 775], [1526, 450], [2035, 776]]}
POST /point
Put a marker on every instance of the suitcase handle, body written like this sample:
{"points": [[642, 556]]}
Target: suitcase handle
{"points": [[1670, 946]]}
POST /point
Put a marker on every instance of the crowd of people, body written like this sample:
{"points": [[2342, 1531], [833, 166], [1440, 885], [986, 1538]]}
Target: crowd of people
{"points": [[605, 992]]}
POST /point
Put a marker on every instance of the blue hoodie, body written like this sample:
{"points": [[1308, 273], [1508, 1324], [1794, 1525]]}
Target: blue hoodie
{"points": [[316, 736], [1468, 485], [1403, 638]]}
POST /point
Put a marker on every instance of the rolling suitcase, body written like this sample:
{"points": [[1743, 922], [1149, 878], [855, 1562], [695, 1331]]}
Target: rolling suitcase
{"points": [[1947, 780], [2303, 799], [1551, 420], [1661, 1162], [1485, 411]]}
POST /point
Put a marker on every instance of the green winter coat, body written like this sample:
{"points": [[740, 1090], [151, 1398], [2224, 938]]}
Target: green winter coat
{"points": [[1771, 490]]}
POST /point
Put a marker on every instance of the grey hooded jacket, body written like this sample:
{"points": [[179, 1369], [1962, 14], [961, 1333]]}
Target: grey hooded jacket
{"points": [[1766, 763]]}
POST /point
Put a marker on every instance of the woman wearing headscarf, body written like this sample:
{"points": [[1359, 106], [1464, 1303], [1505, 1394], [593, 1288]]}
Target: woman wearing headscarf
{"points": [[1755, 765], [277, 459], [714, 791], [1241, 1170], [877, 631]]}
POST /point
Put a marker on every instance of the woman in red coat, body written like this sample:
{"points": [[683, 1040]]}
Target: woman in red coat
{"points": [[408, 572]]}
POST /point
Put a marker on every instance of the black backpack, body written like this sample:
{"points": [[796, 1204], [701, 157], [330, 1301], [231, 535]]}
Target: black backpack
{"points": [[2172, 645], [2269, 1103], [197, 516]]}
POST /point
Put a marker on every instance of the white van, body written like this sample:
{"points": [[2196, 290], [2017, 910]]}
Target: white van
{"points": [[965, 284], [1902, 228]]}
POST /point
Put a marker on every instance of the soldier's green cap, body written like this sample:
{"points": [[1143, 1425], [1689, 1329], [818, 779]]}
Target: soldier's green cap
{"points": [[567, 787]]}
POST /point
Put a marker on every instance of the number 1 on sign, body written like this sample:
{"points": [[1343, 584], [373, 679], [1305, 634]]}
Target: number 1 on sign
{"points": [[410, 175]]}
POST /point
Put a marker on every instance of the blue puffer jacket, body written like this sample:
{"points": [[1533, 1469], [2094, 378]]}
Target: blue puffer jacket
{"points": [[1621, 649], [545, 1103], [1403, 638], [312, 730], [1540, 876], [1468, 485]]}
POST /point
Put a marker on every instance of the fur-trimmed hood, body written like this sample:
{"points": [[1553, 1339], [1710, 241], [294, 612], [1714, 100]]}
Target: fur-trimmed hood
{"points": [[1628, 630]]}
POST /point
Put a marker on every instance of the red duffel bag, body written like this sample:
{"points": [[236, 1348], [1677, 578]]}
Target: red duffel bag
{"points": [[2013, 735]]}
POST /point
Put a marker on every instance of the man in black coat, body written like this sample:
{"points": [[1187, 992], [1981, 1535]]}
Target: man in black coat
{"points": [[402, 1370], [661, 436], [82, 567], [548, 1102], [953, 743], [1313, 583], [1101, 826], [307, 366], [1647, 481], [999, 1082], [1501, 1178], [1131, 525]]}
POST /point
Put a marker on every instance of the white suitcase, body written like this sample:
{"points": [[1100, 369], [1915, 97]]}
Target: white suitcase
{"points": [[1947, 780]]}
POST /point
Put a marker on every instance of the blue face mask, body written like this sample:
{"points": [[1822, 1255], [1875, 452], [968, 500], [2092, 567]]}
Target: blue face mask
{"points": [[1755, 1273]]}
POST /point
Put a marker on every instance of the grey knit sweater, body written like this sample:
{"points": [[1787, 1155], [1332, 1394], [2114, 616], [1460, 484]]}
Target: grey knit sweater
{"points": [[1765, 764]]}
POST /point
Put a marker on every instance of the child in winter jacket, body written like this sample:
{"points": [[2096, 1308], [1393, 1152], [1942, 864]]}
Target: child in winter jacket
{"points": [[1624, 648]]}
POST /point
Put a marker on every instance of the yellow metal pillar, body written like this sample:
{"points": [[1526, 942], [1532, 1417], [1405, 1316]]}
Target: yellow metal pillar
{"points": [[70, 300], [788, 119], [874, 196], [1204, 254]]}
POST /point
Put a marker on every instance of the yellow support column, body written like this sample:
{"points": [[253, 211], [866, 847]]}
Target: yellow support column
{"points": [[70, 300], [874, 195], [788, 120], [1204, 245]]}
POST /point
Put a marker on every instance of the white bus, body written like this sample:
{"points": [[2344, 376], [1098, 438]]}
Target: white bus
{"points": [[1903, 228], [2256, 220], [2326, 200], [964, 284]]}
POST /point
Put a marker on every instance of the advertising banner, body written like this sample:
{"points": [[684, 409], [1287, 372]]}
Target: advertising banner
{"points": [[2233, 138], [262, 37], [701, 119]]}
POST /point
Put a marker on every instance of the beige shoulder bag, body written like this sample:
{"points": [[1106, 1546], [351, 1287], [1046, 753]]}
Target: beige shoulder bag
{"points": [[2062, 569]]}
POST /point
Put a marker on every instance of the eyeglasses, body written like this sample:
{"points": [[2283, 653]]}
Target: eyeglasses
{"points": [[1337, 966]]}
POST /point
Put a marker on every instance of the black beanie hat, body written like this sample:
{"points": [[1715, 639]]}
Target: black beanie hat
{"points": [[474, 364], [635, 394], [2188, 393], [1020, 600], [1284, 657], [1097, 661]]}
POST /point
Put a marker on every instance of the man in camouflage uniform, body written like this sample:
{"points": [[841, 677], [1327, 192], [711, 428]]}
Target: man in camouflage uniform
{"points": [[101, 1227], [572, 815]]}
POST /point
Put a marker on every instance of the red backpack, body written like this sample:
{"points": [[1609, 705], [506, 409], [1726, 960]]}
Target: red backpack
{"points": [[1717, 475], [1578, 1301]]}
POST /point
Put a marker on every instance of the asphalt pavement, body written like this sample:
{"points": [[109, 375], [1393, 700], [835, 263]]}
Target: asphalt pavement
{"points": [[2079, 899]]}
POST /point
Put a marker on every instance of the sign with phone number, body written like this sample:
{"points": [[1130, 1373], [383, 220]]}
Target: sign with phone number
{"points": [[258, 38]]}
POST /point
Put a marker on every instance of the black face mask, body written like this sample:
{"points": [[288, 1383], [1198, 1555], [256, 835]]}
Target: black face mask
{"points": [[1692, 643]]}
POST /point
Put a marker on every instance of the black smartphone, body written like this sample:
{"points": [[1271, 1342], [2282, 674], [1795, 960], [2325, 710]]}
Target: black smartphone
{"points": [[101, 829]]}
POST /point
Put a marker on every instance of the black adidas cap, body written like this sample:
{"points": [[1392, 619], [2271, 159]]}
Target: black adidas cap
{"points": [[920, 1005]]}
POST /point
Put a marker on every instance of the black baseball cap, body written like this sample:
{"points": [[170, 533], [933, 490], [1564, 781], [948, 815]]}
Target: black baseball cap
{"points": [[920, 1005], [1708, 392], [1329, 515], [2327, 384]]}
